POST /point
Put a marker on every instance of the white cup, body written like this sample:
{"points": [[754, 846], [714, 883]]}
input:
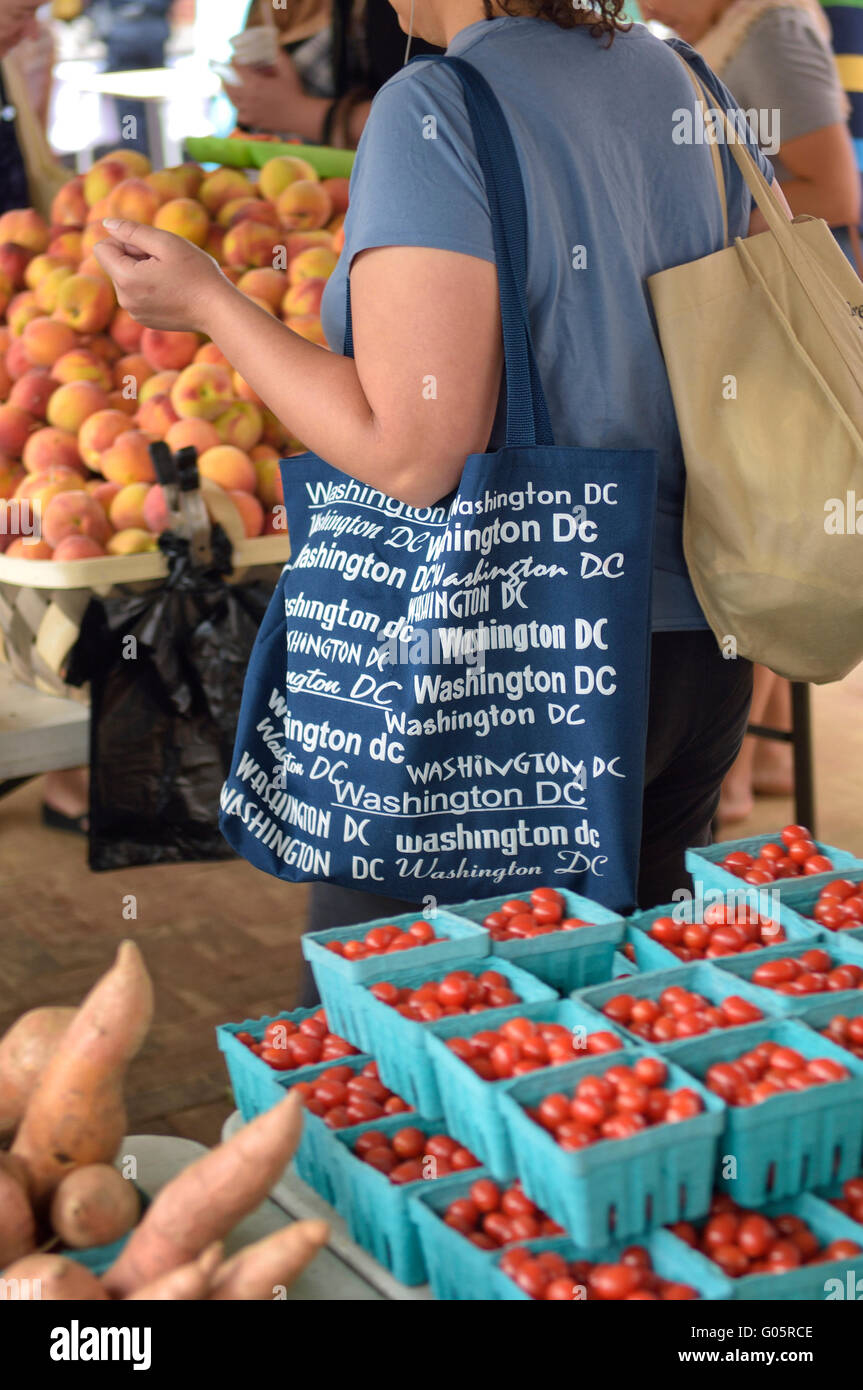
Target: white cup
{"points": [[257, 47]]}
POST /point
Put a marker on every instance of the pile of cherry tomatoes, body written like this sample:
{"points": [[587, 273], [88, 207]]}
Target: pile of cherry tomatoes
{"points": [[768, 1070], [550, 1277], [847, 1032], [747, 1242], [678, 1013], [491, 1217], [383, 941], [410, 1154], [616, 1104], [543, 914], [725, 931], [840, 905], [797, 854], [521, 1045], [342, 1096], [287, 1045], [851, 1201], [813, 972], [459, 992]]}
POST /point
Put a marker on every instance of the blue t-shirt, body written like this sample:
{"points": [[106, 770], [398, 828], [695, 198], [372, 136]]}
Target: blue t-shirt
{"points": [[593, 128]]}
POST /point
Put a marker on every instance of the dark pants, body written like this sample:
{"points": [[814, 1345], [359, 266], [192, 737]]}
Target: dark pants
{"points": [[699, 704]]}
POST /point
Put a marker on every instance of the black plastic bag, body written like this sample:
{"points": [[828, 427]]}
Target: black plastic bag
{"points": [[166, 671]]}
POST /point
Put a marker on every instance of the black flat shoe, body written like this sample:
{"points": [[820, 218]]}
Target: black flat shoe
{"points": [[56, 820]]}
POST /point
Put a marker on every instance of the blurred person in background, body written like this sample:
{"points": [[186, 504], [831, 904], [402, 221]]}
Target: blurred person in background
{"points": [[17, 22], [776, 57], [335, 54], [134, 33]]}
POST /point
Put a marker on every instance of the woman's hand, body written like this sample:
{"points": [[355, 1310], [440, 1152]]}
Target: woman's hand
{"points": [[275, 101], [161, 279]]}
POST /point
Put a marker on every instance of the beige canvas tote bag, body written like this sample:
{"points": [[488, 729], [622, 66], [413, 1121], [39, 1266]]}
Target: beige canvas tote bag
{"points": [[763, 342]]}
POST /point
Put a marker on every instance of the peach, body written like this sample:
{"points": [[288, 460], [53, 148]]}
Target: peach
{"points": [[229, 467], [248, 210], [51, 447], [128, 459], [202, 391], [67, 243], [69, 208], [53, 479], [308, 326], [133, 541], [6, 291], [244, 391], [20, 311], [86, 302], [105, 493], [74, 514], [93, 233], [48, 289], [251, 243], [5, 337], [99, 432], [82, 364], [22, 548], [184, 217], [275, 433], [335, 224], [221, 186], [241, 425], [126, 331], [269, 486], [15, 427], [99, 211], [13, 262], [26, 228], [5, 382], [168, 184], [168, 351], [127, 508], [315, 263], [264, 283], [215, 242], [102, 177], [45, 340], [304, 206], [193, 176], [156, 515], [199, 435], [295, 242], [78, 548], [42, 265], [117, 401], [134, 199], [339, 240], [10, 476], [208, 352], [157, 385], [16, 361], [250, 509], [156, 415], [130, 374], [339, 191], [234, 273], [137, 165], [32, 392], [304, 297], [73, 403], [281, 171]]}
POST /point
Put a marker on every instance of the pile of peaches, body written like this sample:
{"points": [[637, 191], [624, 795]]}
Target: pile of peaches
{"points": [[85, 390]]}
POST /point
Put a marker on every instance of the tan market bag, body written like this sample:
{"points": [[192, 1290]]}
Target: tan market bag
{"points": [[763, 343]]}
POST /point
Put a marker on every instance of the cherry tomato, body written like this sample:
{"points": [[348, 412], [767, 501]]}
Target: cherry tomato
{"points": [[615, 1281], [381, 1158], [755, 1235]]}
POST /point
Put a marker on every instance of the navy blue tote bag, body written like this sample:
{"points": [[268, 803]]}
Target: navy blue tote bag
{"points": [[451, 701]]}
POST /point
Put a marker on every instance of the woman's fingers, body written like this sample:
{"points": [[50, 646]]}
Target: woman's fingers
{"points": [[264, 1270]]}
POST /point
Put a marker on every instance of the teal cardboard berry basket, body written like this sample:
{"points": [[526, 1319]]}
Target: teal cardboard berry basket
{"points": [[400, 1045], [705, 863], [565, 960], [792, 1142], [741, 969], [618, 1187], [471, 1105], [653, 955]]}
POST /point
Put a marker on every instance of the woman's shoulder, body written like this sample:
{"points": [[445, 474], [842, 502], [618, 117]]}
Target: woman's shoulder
{"points": [[784, 29]]}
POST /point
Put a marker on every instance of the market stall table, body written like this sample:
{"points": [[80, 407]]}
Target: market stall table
{"points": [[38, 732]]}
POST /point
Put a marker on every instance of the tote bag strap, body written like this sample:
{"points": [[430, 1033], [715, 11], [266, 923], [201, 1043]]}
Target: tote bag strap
{"points": [[714, 148], [527, 418]]}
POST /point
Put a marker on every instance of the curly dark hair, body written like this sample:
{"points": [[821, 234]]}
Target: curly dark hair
{"points": [[603, 16]]}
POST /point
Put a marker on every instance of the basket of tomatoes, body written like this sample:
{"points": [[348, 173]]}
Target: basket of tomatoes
{"points": [[660, 1268], [474, 1061], [382, 950], [786, 981], [565, 940], [766, 860], [793, 1117], [261, 1054], [836, 906], [791, 1251], [613, 1146], [661, 936]]}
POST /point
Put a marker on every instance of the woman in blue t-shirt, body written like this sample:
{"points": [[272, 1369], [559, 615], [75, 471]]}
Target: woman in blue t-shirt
{"points": [[592, 120]]}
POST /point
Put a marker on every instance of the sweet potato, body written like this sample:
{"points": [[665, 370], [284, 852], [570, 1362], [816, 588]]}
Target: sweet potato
{"points": [[25, 1050], [206, 1200], [275, 1262], [57, 1280], [17, 1222], [76, 1115], [94, 1205], [188, 1283]]}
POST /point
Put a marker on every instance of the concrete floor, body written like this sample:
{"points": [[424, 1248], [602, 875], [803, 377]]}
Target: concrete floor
{"points": [[221, 940]]}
